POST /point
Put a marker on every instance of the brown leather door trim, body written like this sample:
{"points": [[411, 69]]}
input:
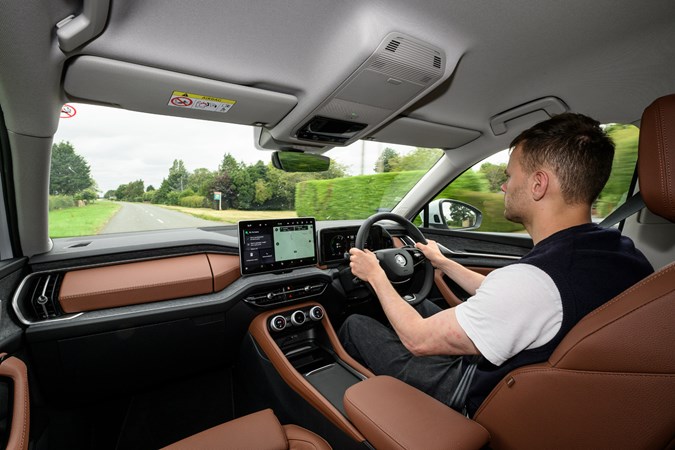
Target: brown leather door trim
{"points": [[445, 290], [294, 379], [16, 370]]}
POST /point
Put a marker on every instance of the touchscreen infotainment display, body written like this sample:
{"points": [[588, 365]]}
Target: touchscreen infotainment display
{"points": [[276, 244]]}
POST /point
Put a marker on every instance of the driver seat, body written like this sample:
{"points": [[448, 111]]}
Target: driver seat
{"points": [[611, 381]]}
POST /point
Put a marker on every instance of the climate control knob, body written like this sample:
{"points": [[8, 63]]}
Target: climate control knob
{"points": [[278, 323], [298, 317], [316, 313]]}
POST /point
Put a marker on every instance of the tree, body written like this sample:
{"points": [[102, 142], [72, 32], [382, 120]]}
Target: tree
{"points": [[178, 176], [388, 159], [150, 188], [88, 195], [241, 193], [201, 180], [70, 172], [419, 159], [495, 175], [223, 184]]}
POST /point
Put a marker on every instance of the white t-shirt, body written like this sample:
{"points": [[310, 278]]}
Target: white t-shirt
{"points": [[518, 307]]}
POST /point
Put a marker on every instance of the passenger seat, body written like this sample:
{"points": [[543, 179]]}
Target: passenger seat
{"points": [[260, 431]]}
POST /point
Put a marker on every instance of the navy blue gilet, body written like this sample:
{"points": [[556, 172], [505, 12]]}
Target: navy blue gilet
{"points": [[589, 265]]}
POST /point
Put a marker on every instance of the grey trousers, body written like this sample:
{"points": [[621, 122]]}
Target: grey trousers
{"points": [[379, 348]]}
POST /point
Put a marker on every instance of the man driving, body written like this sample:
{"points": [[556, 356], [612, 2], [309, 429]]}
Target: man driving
{"points": [[518, 314]]}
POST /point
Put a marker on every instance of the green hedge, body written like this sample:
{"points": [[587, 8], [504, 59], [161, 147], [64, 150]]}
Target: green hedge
{"points": [[193, 201], [362, 196], [61, 202], [345, 198]]}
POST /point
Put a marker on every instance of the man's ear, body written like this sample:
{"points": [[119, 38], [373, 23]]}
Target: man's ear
{"points": [[540, 184]]}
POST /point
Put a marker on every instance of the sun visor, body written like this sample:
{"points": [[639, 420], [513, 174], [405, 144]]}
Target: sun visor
{"points": [[147, 89], [420, 133]]}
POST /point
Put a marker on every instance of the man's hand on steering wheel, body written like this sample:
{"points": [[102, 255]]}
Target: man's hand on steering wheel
{"points": [[365, 265], [431, 252]]}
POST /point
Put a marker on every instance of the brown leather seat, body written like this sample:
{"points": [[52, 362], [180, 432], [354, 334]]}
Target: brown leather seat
{"points": [[611, 381], [260, 431]]}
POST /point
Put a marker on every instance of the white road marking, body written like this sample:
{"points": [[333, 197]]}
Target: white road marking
{"points": [[160, 221]]}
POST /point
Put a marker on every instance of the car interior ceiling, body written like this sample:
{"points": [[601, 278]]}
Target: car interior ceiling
{"points": [[138, 340]]}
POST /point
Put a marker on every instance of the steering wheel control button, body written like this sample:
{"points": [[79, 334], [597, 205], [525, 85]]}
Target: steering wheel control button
{"points": [[278, 323], [298, 318], [316, 313]]}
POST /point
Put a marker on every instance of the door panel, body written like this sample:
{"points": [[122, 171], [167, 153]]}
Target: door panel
{"points": [[14, 375], [14, 397], [480, 252], [451, 291]]}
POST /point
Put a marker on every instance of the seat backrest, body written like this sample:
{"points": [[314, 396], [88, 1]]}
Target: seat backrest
{"points": [[611, 381]]}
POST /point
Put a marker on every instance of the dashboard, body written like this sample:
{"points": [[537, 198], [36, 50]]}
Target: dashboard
{"points": [[335, 242]]}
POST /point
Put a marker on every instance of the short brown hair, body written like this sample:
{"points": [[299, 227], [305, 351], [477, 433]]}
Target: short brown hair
{"points": [[575, 148]]}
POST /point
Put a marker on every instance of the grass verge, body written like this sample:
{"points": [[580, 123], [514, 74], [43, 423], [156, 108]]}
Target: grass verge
{"points": [[85, 221], [230, 215]]}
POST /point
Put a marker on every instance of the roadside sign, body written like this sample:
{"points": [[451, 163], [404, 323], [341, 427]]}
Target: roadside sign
{"points": [[217, 196]]}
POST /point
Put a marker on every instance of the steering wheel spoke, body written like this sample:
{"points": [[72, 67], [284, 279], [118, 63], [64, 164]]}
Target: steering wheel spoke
{"points": [[401, 264], [416, 254]]}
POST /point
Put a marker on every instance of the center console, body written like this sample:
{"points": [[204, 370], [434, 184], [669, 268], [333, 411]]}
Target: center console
{"points": [[303, 347]]}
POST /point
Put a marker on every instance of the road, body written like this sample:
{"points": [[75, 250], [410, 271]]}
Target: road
{"points": [[143, 216]]}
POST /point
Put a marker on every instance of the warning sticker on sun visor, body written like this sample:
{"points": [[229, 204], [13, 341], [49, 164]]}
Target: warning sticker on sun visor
{"points": [[203, 102]]}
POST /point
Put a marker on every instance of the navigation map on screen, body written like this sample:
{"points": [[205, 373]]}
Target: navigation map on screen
{"points": [[276, 245]]}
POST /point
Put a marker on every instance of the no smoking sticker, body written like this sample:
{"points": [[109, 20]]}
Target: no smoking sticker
{"points": [[195, 101], [68, 111]]}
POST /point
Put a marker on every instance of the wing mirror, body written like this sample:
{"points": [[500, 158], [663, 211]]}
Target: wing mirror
{"points": [[451, 214], [296, 161]]}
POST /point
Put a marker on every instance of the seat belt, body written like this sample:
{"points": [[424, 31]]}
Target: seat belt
{"points": [[630, 207]]}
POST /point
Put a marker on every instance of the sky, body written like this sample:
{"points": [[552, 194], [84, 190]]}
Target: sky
{"points": [[122, 146]]}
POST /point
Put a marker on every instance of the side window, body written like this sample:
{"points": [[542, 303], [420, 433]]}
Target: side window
{"points": [[615, 193], [480, 187]]}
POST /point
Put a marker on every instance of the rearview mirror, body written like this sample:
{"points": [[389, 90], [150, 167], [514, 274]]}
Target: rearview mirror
{"points": [[454, 215], [289, 161]]}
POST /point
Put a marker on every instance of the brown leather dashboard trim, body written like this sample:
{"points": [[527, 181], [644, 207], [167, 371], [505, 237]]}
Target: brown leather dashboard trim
{"points": [[294, 379], [445, 290], [225, 270], [16, 370], [135, 283]]}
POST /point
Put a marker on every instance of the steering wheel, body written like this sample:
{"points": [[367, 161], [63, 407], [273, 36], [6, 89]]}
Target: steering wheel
{"points": [[400, 264]]}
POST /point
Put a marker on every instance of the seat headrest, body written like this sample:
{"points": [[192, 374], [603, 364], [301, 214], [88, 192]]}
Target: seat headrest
{"points": [[656, 157]]}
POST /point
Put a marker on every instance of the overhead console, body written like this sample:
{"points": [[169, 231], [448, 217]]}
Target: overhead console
{"points": [[400, 71]]}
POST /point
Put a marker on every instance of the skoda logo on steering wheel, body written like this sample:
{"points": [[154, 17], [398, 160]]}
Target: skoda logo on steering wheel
{"points": [[400, 260]]}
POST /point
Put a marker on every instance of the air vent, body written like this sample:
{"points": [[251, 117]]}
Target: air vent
{"points": [[437, 62], [392, 46], [378, 64], [44, 295]]}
